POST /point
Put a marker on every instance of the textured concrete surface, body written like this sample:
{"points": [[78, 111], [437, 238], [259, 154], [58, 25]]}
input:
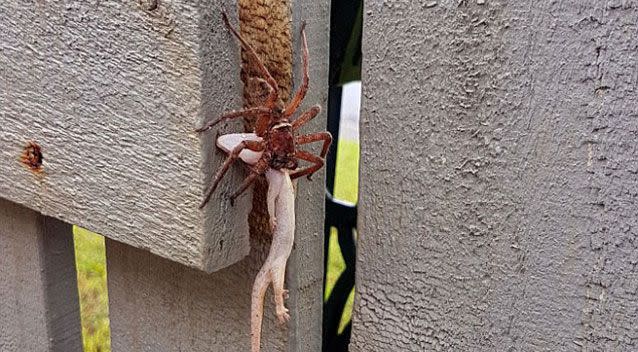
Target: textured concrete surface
{"points": [[156, 305], [112, 92], [39, 306], [499, 177]]}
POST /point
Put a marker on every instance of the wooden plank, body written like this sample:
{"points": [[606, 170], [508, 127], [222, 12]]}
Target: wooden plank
{"points": [[157, 305], [305, 265], [39, 307], [112, 93], [499, 177]]}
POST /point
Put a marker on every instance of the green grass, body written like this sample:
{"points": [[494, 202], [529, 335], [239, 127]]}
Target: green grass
{"points": [[346, 188], [347, 171], [91, 260]]}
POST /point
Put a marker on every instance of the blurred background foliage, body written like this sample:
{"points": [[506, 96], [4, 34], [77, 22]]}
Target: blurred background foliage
{"points": [[90, 259]]}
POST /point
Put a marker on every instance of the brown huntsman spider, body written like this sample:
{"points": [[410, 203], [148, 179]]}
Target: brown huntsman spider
{"points": [[276, 136]]}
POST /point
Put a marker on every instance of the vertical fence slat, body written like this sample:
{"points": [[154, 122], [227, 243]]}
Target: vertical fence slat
{"points": [[499, 177], [305, 267], [159, 305], [39, 309]]}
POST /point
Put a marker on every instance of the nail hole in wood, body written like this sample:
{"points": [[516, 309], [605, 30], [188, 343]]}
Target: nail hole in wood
{"points": [[32, 156], [149, 5]]}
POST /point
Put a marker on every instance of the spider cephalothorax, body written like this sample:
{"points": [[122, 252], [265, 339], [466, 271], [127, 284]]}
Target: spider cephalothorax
{"points": [[281, 147], [276, 137]]}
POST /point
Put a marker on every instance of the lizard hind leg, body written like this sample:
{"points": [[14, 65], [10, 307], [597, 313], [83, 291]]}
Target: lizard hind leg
{"points": [[280, 293]]}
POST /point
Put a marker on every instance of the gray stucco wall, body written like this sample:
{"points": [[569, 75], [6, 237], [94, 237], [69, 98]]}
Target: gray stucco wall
{"points": [[499, 176]]}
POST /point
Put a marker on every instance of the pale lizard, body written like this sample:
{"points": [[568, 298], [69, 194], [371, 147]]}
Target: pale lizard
{"points": [[281, 209]]}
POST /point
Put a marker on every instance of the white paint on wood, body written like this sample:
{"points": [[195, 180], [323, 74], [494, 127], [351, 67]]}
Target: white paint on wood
{"points": [[112, 91]]}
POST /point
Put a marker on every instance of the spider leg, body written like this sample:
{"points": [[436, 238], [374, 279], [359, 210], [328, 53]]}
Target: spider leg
{"points": [[301, 93], [272, 98], [234, 114], [272, 95], [259, 169], [326, 137], [252, 145], [305, 117], [304, 155]]}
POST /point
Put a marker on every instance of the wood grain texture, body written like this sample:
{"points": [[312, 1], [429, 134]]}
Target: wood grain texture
{"points": [[305, 265], [112, 92], [39, 305], [499, 177], [158, 305]]}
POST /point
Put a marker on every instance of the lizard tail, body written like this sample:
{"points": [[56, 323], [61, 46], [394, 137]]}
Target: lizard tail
{"points": [[257, 308]]}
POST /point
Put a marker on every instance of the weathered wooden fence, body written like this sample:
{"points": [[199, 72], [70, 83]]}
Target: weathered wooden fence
{"points": [[110, 94], [499, 199], [499, 176]]}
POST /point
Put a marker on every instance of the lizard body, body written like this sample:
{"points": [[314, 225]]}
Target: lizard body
{"points": [[281, 208], [280, 200]]}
